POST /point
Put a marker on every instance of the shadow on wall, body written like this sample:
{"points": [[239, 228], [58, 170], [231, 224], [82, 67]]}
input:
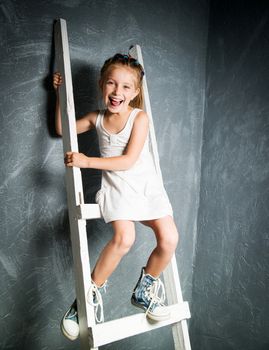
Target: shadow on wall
{"points": [[85, 97], [85, 90], [46, 265]]}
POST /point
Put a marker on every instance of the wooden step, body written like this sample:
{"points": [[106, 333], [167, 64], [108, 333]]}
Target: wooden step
{"points": [[88, 211], [108, 332]]}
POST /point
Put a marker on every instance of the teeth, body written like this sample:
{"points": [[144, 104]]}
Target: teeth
{"points": [[115, 99]]}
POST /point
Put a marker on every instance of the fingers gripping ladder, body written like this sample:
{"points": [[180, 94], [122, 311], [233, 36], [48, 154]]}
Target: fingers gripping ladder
{"points": [[93, 335]]}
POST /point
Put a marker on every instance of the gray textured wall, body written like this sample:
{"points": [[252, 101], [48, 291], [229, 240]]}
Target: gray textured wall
{"points": [[35, 256], [231, 279]]}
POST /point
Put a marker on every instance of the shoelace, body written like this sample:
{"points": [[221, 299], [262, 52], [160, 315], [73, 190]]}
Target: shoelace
{"points": [[152, 293], [72, 315], [94, 298]]}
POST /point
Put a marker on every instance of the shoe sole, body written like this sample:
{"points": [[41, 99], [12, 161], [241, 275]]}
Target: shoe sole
{"points": [[149, 314], [67, 335]]}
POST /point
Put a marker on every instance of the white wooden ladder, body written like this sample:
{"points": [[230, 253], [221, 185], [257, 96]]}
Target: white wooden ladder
{"points": [[93, 335]]}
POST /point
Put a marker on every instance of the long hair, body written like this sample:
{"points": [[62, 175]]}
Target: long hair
{"points": [[128, 61]]}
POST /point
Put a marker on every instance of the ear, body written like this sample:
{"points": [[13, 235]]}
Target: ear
{"points": [[100, 83]]}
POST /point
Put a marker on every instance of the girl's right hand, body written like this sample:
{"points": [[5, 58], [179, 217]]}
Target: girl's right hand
{"points": [[57, 80]]}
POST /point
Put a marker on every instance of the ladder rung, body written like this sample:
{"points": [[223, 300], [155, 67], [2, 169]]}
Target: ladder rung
{"points": [[88, 211], [114, 330]]}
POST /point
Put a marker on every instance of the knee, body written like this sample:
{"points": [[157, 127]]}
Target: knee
{"points": [[169, 241], [123, 241]]}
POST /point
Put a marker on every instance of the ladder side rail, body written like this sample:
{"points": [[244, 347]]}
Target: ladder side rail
{"points": [[136, 52], [174, 295], [171, 275], [74, 185]]}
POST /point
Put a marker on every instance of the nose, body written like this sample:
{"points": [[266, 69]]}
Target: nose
{"points": [[117, 90]]}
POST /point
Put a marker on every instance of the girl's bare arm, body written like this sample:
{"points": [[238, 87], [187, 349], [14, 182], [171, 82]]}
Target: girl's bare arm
{"points": [[84, 124], [57, 81], [123, 162]]}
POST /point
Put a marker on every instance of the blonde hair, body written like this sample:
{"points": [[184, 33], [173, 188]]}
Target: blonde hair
{"points": [[126, 61]]}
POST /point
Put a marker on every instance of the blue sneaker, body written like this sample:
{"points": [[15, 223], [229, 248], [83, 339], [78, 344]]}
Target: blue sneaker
{"points": [[69, 323], [149, 294]]}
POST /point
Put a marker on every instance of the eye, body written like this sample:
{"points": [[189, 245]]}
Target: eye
{"points": [[127, 87], [109, 82]]}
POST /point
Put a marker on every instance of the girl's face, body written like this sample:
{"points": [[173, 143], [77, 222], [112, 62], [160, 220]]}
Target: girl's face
{"points": [[119, 88]]}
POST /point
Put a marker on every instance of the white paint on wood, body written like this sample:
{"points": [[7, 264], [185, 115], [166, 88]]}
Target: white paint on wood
{"points": [[88, 211], [114, 330], [171, 277], [136, 52], [74, 186], [111, 331]]}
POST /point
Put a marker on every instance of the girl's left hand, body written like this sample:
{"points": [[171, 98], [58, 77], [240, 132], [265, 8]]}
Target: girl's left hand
{"points": [[78, 160]]}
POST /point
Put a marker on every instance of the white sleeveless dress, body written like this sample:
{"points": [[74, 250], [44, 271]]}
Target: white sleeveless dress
{"points": [[136, 194]]}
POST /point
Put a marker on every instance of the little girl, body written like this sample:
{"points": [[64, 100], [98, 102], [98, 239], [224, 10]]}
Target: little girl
{"points": [[131, 189]]}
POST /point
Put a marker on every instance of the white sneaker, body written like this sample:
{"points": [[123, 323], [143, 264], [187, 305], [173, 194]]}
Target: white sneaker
{"points": [[69, 324]]}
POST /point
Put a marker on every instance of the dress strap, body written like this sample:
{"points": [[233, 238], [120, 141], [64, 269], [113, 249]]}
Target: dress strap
{"points": [[132, 116], [99, 118]]}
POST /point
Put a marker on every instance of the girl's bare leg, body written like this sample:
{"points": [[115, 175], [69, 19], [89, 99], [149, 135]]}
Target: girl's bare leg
{"points": [[167, 238], [120, 244]]}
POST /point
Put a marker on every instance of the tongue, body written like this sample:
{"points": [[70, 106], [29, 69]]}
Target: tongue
{"points": [[115, 103]]}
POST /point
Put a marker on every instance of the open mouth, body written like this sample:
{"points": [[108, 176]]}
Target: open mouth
{"points": [[115, 102]]}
